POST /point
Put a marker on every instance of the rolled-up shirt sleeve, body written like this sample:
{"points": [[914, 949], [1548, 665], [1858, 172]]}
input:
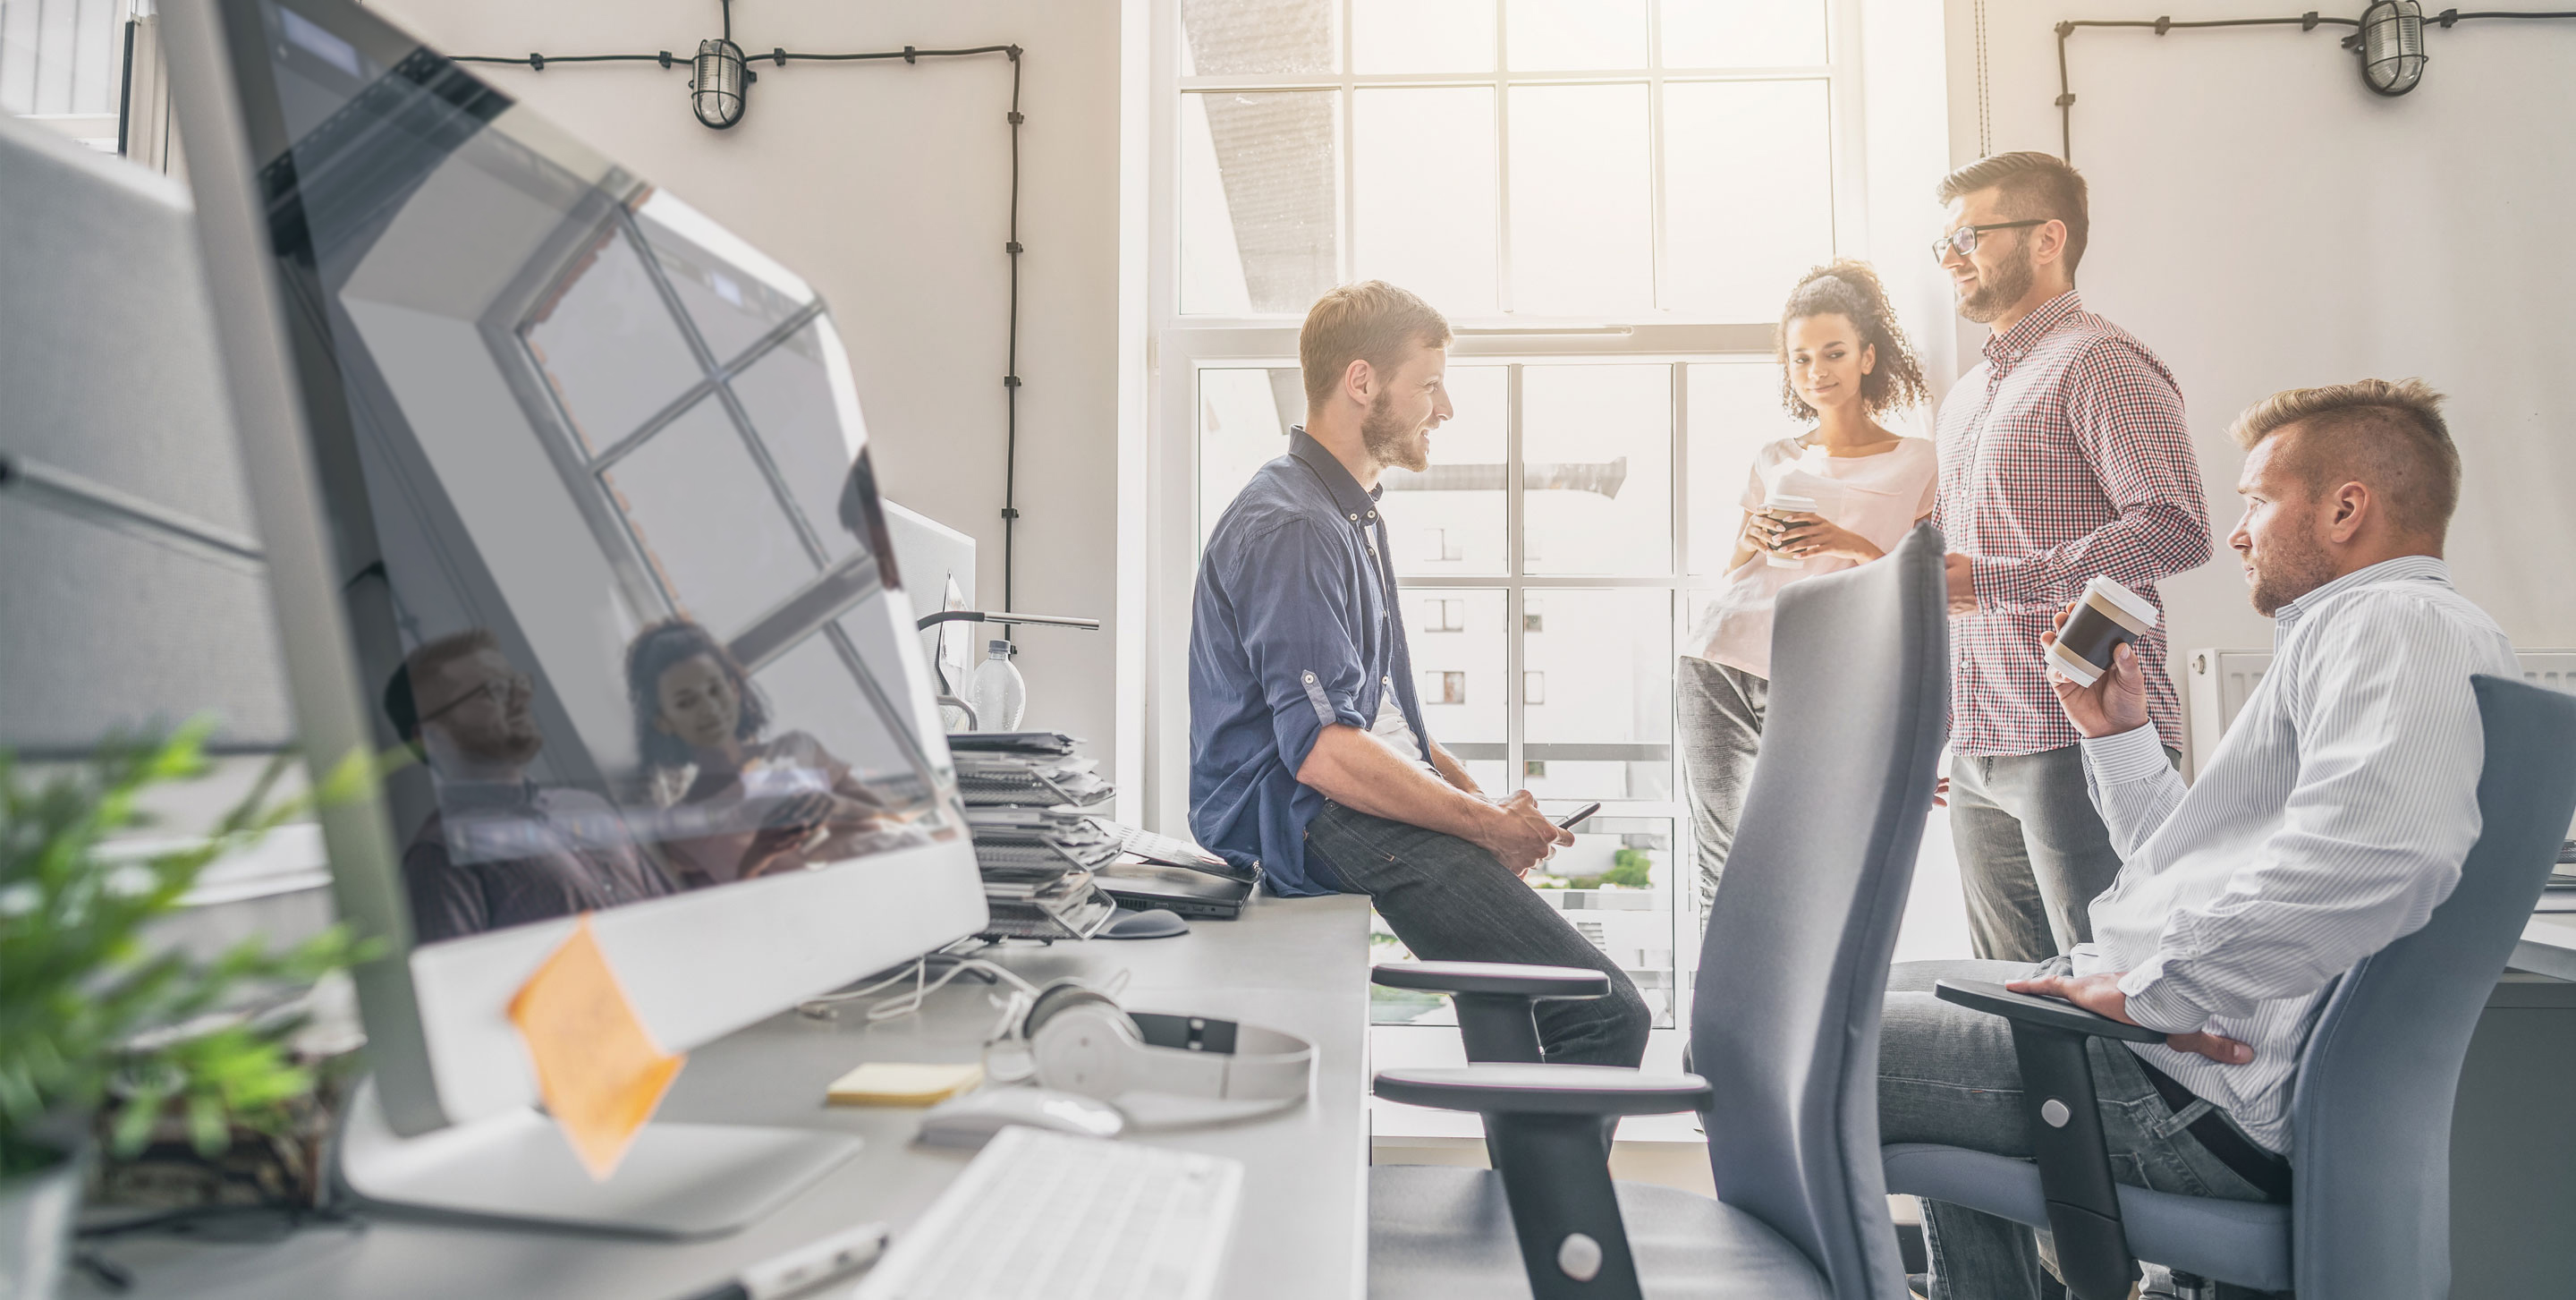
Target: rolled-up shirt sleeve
{"points": [[2382, 812], [1302, 636], [2128, 420]]}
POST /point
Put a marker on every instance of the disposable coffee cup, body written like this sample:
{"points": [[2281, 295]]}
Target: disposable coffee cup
{"points": [[1786, 503], [2107, 615]]}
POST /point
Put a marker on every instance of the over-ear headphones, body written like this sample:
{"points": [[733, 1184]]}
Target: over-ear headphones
{"points": [[1082, 1041]]}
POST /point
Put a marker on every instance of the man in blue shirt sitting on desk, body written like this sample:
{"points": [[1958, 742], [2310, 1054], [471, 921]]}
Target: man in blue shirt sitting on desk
{"points": [[1307, 749]]}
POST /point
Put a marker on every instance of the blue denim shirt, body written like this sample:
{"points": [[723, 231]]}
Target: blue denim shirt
{"points": [[1294, 628]]}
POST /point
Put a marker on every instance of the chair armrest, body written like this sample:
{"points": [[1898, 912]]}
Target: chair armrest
{"points": [[2029, 1009], [1495, 1000], [2081, 1197], [1538, 983], [1595, 1090], [1548, 1127]]}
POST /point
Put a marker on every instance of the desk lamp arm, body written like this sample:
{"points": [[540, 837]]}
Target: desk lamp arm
{"points": [[989, 616]]}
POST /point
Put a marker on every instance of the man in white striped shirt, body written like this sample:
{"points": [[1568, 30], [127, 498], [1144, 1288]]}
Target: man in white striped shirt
{"points": [[2330, 821]]}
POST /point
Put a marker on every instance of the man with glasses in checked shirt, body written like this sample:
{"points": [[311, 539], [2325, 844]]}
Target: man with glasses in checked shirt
{"points": [[2063, 455]]}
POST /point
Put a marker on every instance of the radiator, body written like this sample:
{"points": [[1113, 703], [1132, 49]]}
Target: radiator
{"points": [[2216, 684]]}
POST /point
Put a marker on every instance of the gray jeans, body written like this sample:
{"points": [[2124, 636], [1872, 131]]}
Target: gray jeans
{"points": [[1721, 722], [2033, 852], [1948, 1075], [1449, 900]]}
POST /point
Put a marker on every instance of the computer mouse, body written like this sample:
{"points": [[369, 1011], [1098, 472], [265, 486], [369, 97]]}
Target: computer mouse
{"points": [[972, 1120], [1153, 923]]}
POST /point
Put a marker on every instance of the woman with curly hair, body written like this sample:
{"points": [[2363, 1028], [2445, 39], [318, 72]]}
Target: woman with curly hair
{"points": [[734, 805], [1843, 362]]}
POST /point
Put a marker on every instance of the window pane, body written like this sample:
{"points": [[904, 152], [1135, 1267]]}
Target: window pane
{"points": [[1748, 193], [788, 395], [711, 528], [1596, 449], [1743, 33], [610, 347], [1260, 201], [1425, 187], [1243, 424], [1734, 411], [1464, 665], [1449, 518], [810, 689], [1605, 731], [734, 294], [1615, 886], [1581, 241], [1422, 35], [1549, 35], [1242, 37]]}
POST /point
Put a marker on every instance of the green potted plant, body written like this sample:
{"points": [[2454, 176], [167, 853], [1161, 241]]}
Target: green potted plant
{"points": [[101, 1035]]}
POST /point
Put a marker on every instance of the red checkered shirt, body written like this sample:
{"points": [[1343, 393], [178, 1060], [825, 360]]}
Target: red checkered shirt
{"points": [[2064, 454]]}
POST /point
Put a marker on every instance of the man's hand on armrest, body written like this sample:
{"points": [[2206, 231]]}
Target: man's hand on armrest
{"points": [[2101, 995], [1357, 770]]}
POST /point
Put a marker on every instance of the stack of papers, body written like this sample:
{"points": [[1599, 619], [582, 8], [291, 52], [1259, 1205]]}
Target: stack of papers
{"points": [[1025, 792], [990, 780]]}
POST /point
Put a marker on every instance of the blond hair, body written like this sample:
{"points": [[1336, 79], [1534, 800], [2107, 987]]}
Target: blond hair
{"points": [[1371, 321], [2031, 186], [2389, 436]]}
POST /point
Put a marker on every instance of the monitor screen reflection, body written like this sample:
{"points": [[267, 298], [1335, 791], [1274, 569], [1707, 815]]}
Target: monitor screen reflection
{"points": [[590, 488]]}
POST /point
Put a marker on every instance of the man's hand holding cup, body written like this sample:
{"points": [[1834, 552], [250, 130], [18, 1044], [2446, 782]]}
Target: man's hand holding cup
{"points": [[2114, 703]]}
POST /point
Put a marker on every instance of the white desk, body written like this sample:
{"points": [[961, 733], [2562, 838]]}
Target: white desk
{"points": [[1299, 965]]}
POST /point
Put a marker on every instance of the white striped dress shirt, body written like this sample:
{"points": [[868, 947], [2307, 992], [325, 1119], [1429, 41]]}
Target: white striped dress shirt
{"points": [[2330, 821]]}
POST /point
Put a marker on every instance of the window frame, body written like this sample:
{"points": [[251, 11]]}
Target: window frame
{"points": [[1181, 346]]}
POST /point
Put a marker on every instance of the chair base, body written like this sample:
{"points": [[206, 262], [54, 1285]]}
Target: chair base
{"points": [[2246, 1243]]}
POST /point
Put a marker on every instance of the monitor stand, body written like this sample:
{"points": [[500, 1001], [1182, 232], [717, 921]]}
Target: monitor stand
{"points": [[677, 1180]]}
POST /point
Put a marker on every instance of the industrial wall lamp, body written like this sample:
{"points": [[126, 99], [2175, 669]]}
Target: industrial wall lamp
{"points": [[2387, 41]]}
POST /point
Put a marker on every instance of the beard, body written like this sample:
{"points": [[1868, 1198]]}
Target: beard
{"points": [[1391, 440], [1997, 290], [2285, 571], [513, 743]]}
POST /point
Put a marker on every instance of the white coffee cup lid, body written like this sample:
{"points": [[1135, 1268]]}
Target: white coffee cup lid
{"points": [[2136, 605]]}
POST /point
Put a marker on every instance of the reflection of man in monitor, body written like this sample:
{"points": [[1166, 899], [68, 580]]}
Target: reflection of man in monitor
{"points": [[499, 851]]}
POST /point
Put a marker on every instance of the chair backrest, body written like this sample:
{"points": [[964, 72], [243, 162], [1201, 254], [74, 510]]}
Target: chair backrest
{"points": [[1794, 965], [2371, 1123]]}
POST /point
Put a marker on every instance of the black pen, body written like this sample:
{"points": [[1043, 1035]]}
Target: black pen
{"points": [[1569, 823], [804, 1266]]}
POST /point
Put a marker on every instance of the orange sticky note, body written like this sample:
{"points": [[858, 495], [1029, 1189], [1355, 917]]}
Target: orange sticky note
{"points": [[600, 1072]]}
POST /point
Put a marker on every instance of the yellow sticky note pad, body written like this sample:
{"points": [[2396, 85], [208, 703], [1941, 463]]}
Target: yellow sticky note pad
{"points": [[600, 1072], [885, 1083]]}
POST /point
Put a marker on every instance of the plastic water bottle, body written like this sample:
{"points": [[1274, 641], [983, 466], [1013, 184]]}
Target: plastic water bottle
{"points": [[1000, 696]]}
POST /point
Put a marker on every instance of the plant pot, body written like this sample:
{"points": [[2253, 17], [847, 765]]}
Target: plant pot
{"points": [[37, 1212]]}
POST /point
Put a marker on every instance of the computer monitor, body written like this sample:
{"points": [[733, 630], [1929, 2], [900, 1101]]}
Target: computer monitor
{"points": [[551, 470]]}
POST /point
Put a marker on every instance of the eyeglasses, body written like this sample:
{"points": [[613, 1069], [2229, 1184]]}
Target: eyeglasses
{"points": [[498, 690], [1964, 239]]}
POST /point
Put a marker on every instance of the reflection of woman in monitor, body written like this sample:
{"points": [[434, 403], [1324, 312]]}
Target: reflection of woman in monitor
{"points": [[741, 806]]}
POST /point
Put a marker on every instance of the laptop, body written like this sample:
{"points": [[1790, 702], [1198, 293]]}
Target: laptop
{"points": [[1194, 894]]}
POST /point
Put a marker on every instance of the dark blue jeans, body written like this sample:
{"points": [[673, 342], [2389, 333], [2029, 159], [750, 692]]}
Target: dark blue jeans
{"points": [[1449, 900]]}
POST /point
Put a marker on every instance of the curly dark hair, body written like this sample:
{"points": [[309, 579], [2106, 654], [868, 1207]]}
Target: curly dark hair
{"points": [[655, 651], [1851, 290]]}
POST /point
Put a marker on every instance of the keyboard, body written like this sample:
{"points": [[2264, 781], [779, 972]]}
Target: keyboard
{"points": [[1051, 1216]]}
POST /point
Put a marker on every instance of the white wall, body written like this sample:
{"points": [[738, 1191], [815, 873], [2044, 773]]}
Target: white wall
{"points": [[886, 187], [2265, 222]]}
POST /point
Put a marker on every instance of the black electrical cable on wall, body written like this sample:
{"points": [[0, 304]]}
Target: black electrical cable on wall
{"points": [[2305, 22], [780, 57]]}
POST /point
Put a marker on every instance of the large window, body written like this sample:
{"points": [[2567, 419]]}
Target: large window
{"points": [[1609, 199]]}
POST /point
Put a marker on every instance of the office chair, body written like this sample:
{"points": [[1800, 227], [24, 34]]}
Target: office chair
{"points": [[1785, 1028], [2370, 1216]]}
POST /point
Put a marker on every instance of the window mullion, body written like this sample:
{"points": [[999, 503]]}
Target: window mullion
{"points": [[1515, 604], [1655, 153]]}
